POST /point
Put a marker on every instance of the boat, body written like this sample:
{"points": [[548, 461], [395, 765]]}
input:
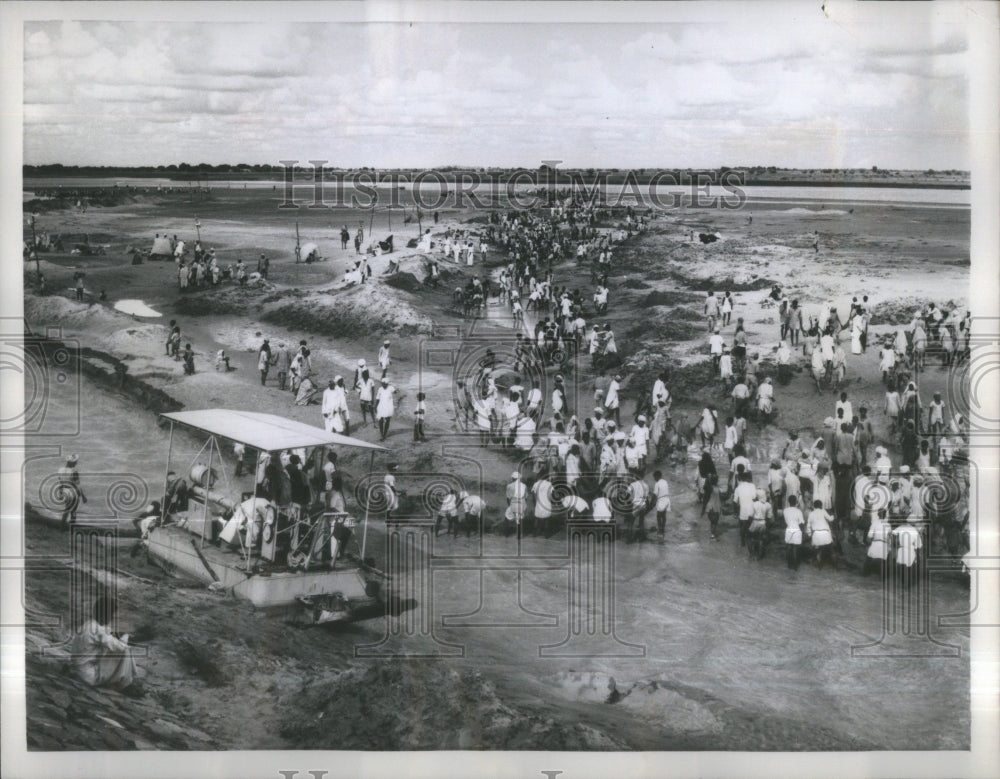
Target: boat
{"points": [[258, 545]]}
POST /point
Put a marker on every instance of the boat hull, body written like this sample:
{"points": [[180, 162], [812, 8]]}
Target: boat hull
{"points": [[173, 547]]}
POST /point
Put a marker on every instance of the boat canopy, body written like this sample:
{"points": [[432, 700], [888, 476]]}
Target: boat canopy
{"points": [[266, 432]]}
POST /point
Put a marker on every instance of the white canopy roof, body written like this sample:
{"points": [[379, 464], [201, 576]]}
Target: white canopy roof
{"points": [[267, 432]]}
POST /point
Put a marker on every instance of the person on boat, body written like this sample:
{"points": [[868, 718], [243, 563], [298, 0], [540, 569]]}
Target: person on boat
{"points": [[100, 658], [342, 525], [68, 489], [148, 519]]}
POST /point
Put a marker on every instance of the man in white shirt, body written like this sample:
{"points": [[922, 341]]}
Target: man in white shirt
{"points": [[715, 344], [661, 492], [471, 509], [660, 391], [534, 401], [328, 407], [602, 509], [744, 496], [635, 522], [908, 546], [516, 492], [612, 401], [793, 532], [542, 511]]}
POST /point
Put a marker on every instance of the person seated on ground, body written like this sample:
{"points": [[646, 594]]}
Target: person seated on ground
{"points": [[222, 361], [100, 658], [353, 276], [306, 393]]}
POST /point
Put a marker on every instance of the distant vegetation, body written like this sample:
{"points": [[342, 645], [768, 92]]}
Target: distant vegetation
{"points": [[754, 175]]}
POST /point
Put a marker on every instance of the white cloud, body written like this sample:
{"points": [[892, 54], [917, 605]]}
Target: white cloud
{"points": [[750, 92]]}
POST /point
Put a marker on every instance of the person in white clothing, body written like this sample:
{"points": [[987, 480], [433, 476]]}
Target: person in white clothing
{"points": [[744, 496], [384, 406], [793, 532], [601, 509], [383, 357], [329, 406], [612, 401], [661, 493], [820, 534], [879, 542], [908, 545], [516, 493], [471, 509]]}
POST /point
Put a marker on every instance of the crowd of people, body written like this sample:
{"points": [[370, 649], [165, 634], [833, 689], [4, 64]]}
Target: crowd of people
{"points": [[834, 486]]}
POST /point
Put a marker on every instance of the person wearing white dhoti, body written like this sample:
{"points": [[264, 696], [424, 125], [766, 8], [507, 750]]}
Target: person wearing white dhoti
{"points": [[908, 546], [793, 532], [329, 406], [857, 330], [384, 406]]}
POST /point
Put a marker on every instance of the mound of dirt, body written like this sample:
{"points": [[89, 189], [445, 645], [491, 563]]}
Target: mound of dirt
{"points": [[404, 281], [684, 381], [669, 297], [49, 310], [663, 323], [634, 283], [223, 300], [369, 308], [399, 704], [745, 283]]}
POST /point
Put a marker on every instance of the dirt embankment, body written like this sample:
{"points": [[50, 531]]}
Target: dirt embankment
{"points": [[332, 312], [399, 704]]}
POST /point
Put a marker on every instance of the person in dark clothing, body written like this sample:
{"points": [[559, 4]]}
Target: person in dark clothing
{"points": [[299, 486], [706, 472]]}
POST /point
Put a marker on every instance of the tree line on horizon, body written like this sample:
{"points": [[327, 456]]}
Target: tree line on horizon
{"points": [[249, 169]]}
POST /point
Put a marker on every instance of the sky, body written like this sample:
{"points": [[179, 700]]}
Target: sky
{"points": [[755, 91]]}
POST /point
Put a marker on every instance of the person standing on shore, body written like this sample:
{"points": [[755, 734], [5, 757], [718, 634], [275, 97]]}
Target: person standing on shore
{"points": [[365, 386], [283, 361], [328, 408], [264, 361], [383, 357], [172, 326], [711, 311], [188, 359], [68, 489], [419, 412], [384, 406]]}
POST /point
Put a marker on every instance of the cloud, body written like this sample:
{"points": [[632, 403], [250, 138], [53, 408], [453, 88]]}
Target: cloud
{"points": [[698, 94]]}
